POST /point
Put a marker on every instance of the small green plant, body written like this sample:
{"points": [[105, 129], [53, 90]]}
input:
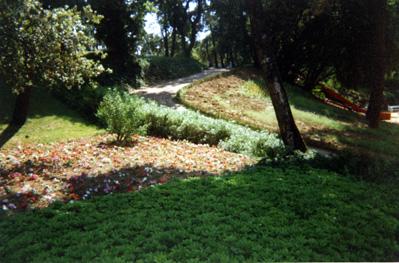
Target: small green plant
{"points": [[123, 115]]}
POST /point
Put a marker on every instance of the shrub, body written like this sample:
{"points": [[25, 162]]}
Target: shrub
{"points": [[192, 126], [167, 68], [122, 115], [185, 125]]}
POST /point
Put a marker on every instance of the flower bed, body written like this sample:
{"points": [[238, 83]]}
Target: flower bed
{"points": [[34, 176]]}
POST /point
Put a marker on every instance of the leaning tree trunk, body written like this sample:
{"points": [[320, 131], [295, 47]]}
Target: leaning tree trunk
{"points": [[21, 108], [378, 15], [265, 55], [288, 130]]}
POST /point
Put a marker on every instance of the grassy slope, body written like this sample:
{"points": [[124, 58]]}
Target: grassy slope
{"points": [[268, 214], [49, 120], [237, 97]]}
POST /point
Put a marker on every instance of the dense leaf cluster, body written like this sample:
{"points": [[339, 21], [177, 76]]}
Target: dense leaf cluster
{"points": [[39, 47], [119, 33]]}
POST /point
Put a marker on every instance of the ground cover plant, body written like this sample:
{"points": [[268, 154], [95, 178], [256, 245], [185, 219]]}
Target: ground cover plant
{"points": [[49, 120], [240, 96], [290, 214]]}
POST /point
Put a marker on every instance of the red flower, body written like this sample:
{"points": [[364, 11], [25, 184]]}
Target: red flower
{"points": [[33, 177]]}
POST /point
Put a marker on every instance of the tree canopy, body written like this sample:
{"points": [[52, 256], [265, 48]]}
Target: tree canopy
{"points": [[42, 48]]}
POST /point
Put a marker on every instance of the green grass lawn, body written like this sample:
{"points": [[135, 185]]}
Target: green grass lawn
{"points": [[49, 120], [239, 96], [289, 214]]}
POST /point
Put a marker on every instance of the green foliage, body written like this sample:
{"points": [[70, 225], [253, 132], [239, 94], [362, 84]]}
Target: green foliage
{"points": [[187, 125], [40, 47], [119, 33], [85, 100], [192, 126], [168, 68], [151, 45], [262, 215], [228, 42], [122, 115], [180, 19]]}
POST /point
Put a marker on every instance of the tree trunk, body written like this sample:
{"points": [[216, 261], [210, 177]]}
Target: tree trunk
{"points": [[21, 108], [232, 60], [165, 37], [173, 50], [288, 130], [215, 53], [378, 15], [184, 45], [208, 57], [252, 45], [222, 60]]}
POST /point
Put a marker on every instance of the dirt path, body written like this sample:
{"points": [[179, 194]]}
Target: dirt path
{"points": [[165, 93]]}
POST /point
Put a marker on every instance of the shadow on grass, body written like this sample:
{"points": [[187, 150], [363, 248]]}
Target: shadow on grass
{"points": [[266, 214], [8, 133], [42, 104]]}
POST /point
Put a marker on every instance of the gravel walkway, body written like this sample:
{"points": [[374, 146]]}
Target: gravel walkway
{"points": [[165, 93]]}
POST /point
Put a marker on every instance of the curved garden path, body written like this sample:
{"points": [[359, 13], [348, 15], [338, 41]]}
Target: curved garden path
{"points": [[165, 93]]}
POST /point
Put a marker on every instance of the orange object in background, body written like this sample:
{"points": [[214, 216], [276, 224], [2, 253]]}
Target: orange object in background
{"points": [[335, 96], [385, 116]]}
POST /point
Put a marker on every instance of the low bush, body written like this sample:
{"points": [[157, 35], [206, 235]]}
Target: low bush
{"points": [[192, 126], [167, 68], [122, 114]]}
